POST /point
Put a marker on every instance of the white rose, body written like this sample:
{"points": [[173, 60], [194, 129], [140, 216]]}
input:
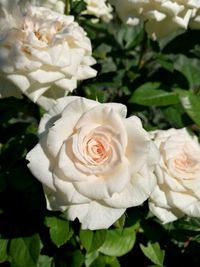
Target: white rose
{"points": [[44, 53], [58, 6], [178, 175], [161, 17], [99, 8], [93, 162]]}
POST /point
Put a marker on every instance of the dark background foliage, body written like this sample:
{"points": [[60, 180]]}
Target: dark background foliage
{"points": [[157, 81]]}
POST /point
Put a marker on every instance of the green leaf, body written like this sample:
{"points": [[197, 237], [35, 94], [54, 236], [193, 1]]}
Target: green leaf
{"points": [[92, 240], [105, 261], [190, 68], [86, 237], [190, 224], [25, 251], [111, 261], [60, 230], [121, 221], [102, 50], [154, 253], [119, 241], [174, 115], [148, 94], [165, 62], [128, 36], [108, 65], [3, 250], [75, 258], [45, 261], [91, 257], [191, 104]]}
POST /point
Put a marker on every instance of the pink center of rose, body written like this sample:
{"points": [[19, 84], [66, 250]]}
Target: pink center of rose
{"points": [[97, 149], [184, 162]]}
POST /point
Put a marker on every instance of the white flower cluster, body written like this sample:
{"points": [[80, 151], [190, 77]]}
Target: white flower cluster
{"points": [[93, 162], [99, 8], [44, 53], [161, 17]]}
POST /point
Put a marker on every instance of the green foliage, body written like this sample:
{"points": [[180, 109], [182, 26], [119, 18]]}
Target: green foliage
{"points": [[3, 250], [119, 241], [60, 229], [190, 103], [154, 253], [148, 94], [157, 81], [25, 251]]}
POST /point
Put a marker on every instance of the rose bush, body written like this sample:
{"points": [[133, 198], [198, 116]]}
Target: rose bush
{"points": [[44, 53], [178, 175], [161, 17], [93, 162]]}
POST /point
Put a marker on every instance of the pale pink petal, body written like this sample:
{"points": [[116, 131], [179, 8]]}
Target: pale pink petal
{"points": [[66, 169], [104, 115]]}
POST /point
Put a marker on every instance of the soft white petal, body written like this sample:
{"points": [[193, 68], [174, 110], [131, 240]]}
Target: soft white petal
{"points": [[94, 189], [165, 215], [94, 216], [67, 84], [180, 200], [54, 112], [20, 80], [136, 192], [85, 72], [43, 76], [138, 146], [66, 168], [67, 192], [40, 167]]}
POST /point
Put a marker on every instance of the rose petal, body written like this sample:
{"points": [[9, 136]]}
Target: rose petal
{"points": [[165, 215], [138, 143], [94, 216], [39, 165], [136, 192], [68, 192]]}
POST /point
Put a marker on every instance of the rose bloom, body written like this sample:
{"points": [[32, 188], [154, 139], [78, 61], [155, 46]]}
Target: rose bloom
{"points": [[178, 175], [44, 53], [100, 9], [56, 5], [93, 162], [161, 17]]}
